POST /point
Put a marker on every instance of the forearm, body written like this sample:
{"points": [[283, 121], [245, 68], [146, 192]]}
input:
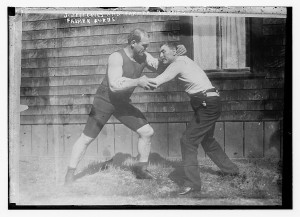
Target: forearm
{"points": [[123, 84], [161, 68], [171, 72], [156, 66], [152, 63], [161, 79]]}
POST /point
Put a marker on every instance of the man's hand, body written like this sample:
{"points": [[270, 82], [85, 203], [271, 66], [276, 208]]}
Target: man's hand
{"points": [[153, 83], [181, 50], [146, 83]]}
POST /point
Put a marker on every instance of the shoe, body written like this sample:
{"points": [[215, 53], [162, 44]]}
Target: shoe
{"points": [[141, 173], [70, 178], [188, 190]]}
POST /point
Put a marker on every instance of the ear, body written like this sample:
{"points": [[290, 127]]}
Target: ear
{"points": [[132, 42], [174, 52]]}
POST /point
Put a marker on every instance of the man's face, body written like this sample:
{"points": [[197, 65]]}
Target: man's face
{"points": [[167, 55], [139, 48]]}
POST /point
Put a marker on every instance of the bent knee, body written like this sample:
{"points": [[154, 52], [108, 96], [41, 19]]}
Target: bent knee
{"points": [[146, 131]]}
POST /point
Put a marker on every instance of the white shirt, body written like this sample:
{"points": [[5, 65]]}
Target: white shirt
{"points": [[189, 72], [194, 78]]}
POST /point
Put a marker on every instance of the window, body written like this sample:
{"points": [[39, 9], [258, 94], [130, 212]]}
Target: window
{"points": [[221, 43]]}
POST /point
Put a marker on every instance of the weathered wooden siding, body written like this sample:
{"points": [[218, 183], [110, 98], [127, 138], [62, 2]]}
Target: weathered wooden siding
{"points": [[63, 64], [274, 32]]}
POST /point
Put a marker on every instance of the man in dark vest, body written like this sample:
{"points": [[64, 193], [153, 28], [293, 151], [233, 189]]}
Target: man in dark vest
{"points": [[113, 98]]}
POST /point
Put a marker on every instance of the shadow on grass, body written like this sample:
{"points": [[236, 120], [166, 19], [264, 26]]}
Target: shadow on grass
{"points": [[127, 162], [92, 169], [252, 183], [118, 161]]}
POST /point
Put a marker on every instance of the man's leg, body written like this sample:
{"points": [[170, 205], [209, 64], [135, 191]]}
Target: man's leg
{"points": [[144, 146], [90, 132], [78, 151], [144, 142], [134, 119], [202, 122], [214, 151], [94, 125], [189, 151]]}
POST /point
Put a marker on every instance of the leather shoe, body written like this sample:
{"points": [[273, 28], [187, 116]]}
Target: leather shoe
{"points": [[188, 190]]}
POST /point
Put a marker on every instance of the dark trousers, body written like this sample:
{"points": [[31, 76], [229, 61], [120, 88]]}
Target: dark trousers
{"points": [[201, 130]]}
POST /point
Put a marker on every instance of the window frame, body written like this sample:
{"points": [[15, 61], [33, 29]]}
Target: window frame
{"points": [[254, 47]]}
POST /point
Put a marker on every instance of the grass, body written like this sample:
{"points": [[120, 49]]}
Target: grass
{"points": [[41, 183]]}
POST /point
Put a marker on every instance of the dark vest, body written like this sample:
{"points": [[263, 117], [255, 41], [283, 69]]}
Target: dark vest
{"points": [[131, 69]]}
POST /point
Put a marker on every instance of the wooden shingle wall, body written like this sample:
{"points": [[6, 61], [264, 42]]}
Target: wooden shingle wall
{"points": [[63, 64]]}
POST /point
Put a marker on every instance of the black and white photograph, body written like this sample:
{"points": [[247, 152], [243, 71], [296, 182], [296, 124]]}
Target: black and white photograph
{"points": [[170, 107]]}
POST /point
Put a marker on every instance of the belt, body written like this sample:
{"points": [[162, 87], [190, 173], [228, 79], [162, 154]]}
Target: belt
{"points": [[212, 94], [206, 93], [210, 90]]}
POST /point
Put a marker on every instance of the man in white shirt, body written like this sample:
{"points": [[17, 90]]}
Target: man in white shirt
{"points": [[205, 101]]}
